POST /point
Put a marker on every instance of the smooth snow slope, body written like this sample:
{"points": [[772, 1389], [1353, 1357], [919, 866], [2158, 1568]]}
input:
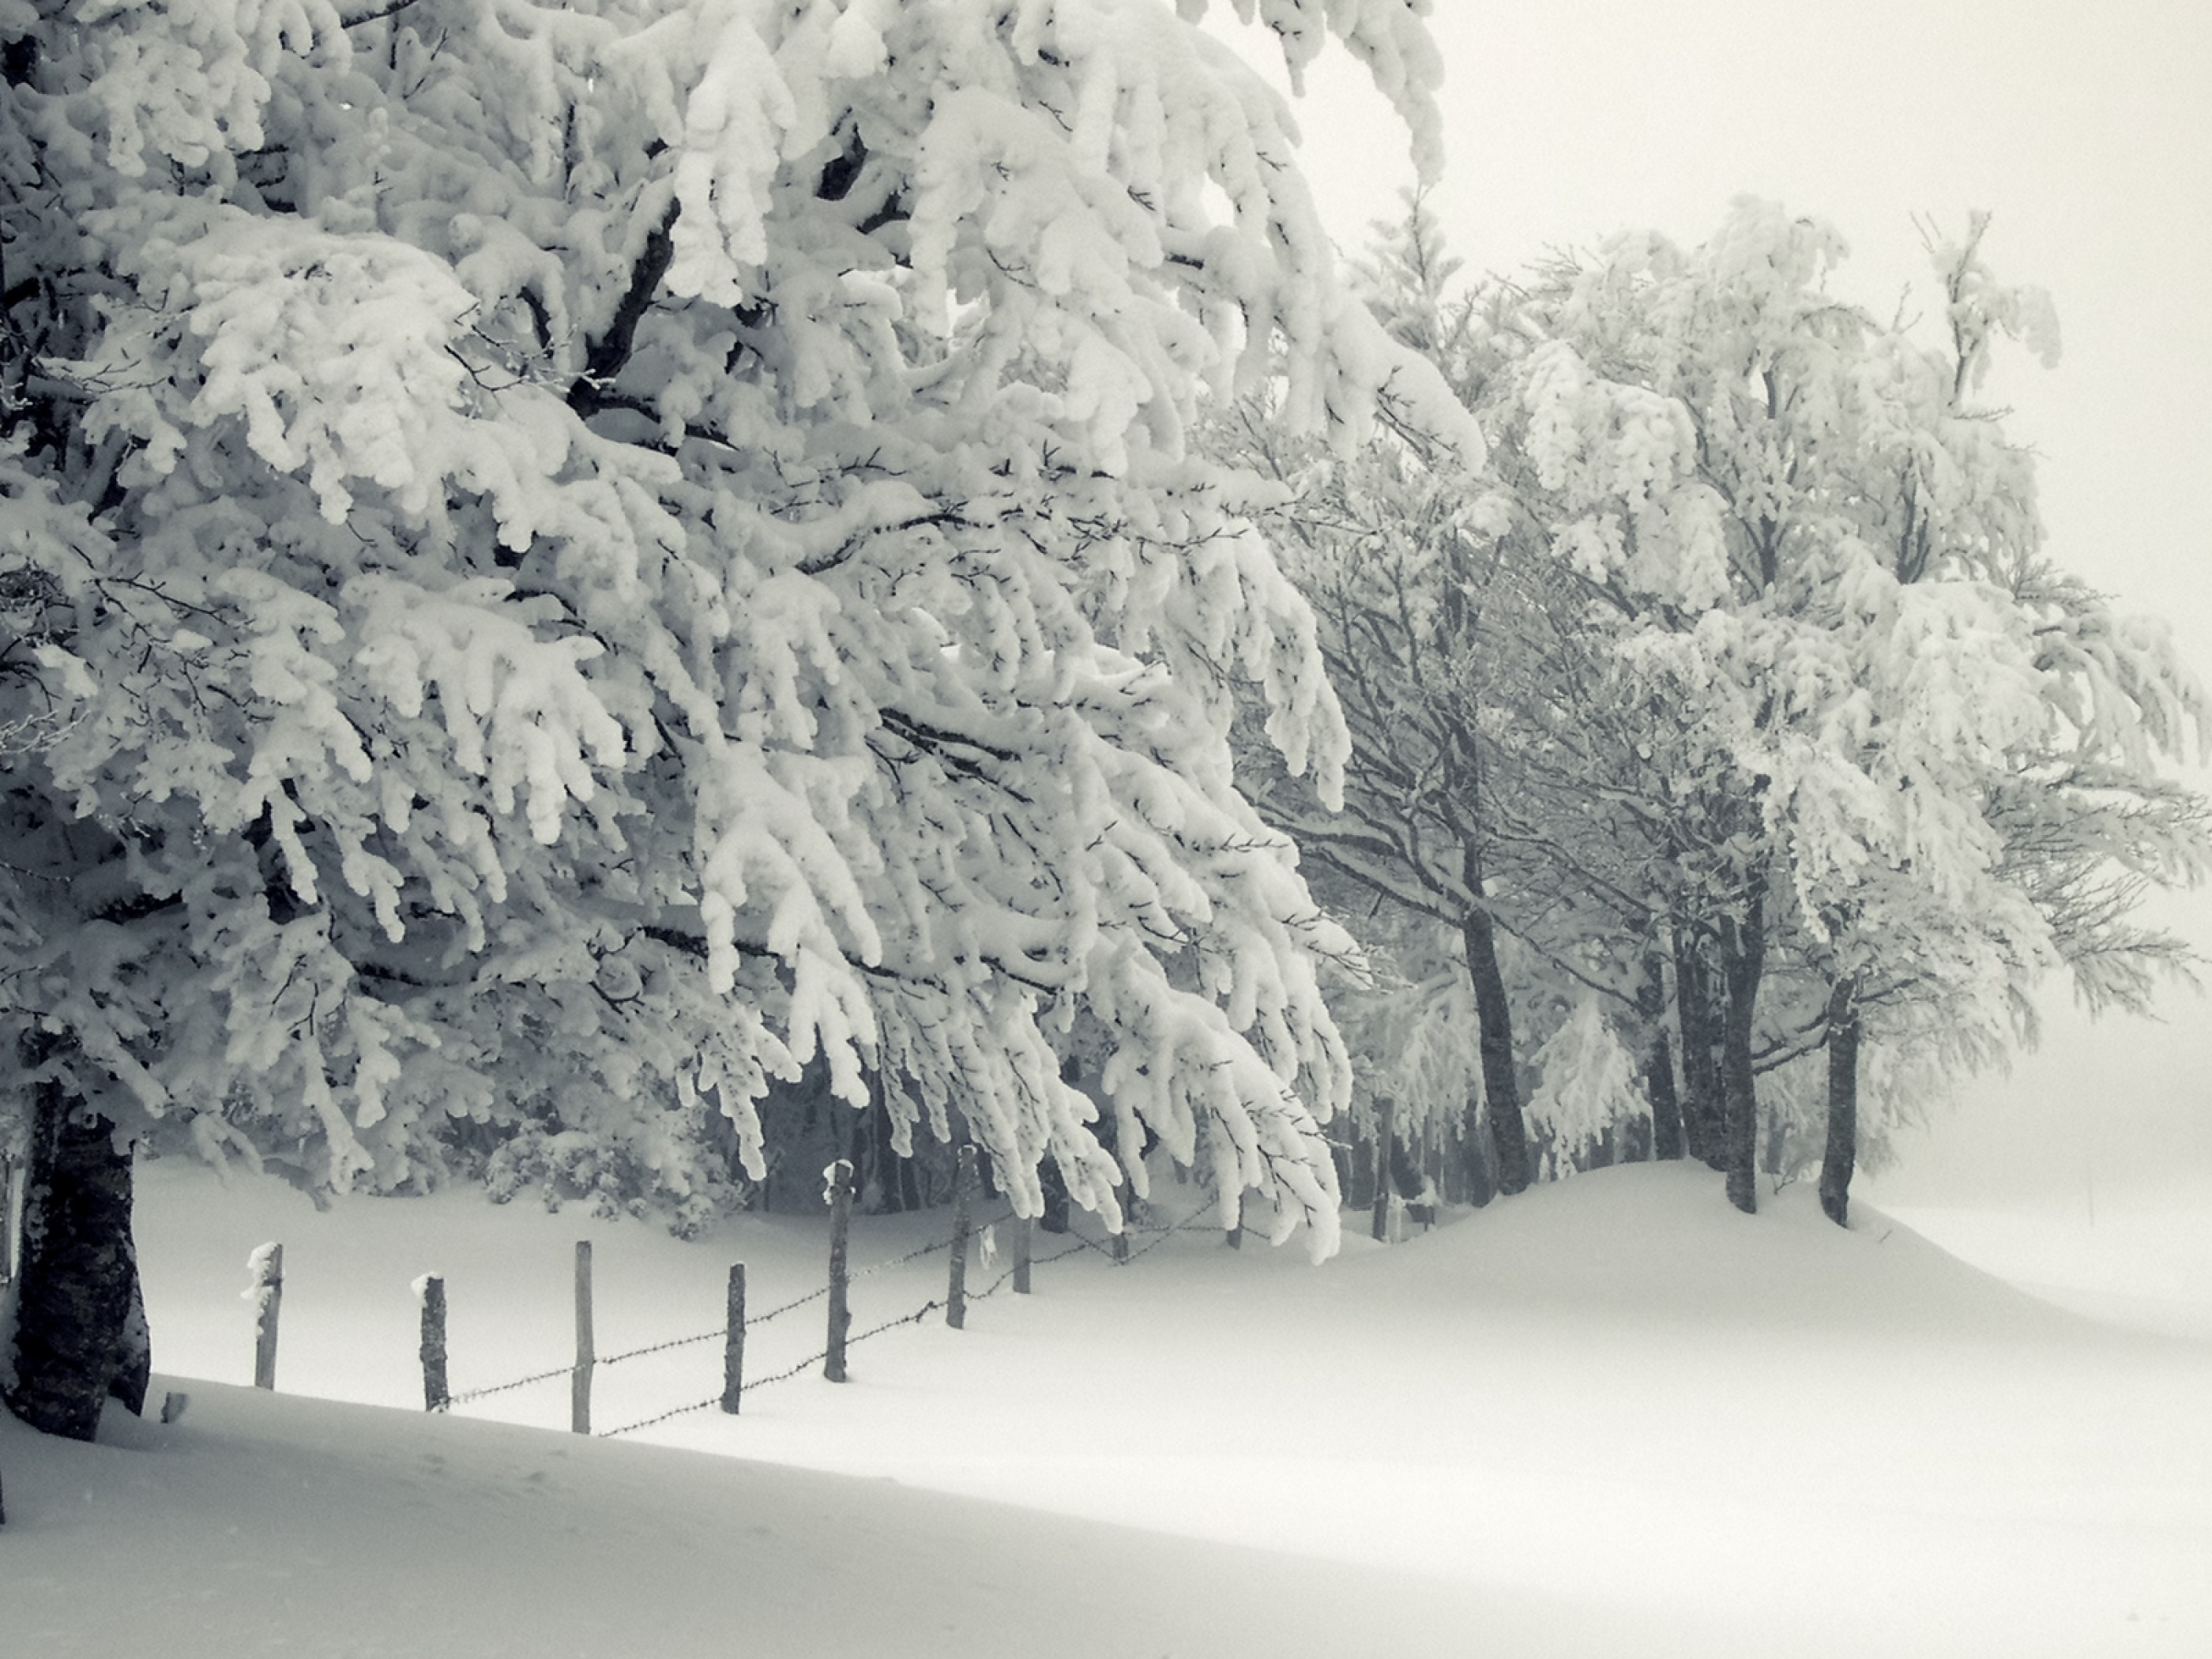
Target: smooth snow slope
{"points": [[1609, 1417], [269, 1525]]}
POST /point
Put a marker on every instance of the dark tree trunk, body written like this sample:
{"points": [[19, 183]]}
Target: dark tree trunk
{"points": [[1603, 1152], [1666, 1105], [80, 1322], [1743, 961], [1841, 1158], [1055, 1217], [885, 1161], [1474, 1158], [1501, 1088], [1385, 1110], [1702, 1114], [1659, 1062]]}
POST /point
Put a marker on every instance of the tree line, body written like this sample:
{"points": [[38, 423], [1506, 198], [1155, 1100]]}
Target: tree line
{"points": [[1732, 729]]}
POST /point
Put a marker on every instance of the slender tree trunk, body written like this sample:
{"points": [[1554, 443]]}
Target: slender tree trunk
{"points": [[1702, 1114], [882, 1163], [1603, 1152], [1384, 1110], [1501, 1088], [1474, 1158], [1743, 962], [1666, 1105], [1055, 1218], [80, 1322], [1841, 1157], [1659, 1062], [1773, 1142]]}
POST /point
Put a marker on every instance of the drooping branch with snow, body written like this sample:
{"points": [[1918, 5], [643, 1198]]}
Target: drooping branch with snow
{"points": [[564, 562]]}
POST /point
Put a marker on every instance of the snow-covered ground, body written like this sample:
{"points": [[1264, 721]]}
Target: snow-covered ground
{"points": [[1609, 1417], [2141, 1259]]}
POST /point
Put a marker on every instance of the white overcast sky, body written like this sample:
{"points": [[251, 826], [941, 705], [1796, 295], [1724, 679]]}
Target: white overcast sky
{"points": [[2086, 131]]}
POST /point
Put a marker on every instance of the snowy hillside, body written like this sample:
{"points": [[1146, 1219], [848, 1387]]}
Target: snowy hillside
{"points": [[1609, 1417]]}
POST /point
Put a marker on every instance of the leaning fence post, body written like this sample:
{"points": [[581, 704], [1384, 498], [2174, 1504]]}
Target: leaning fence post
{"points": [[955, 1290], [733, 1341], [580, 1380], [838, 1194], [430, 1292], [1023, 1226], [266, 1294]]}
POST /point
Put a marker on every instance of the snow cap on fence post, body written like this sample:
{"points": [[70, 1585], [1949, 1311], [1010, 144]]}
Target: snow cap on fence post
{"points": [[265, 1296], [837, 1193]]}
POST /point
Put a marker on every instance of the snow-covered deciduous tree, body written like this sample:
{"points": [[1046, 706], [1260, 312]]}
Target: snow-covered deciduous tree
{"points": [[1418, 601], [559, 563], [1740, 681], [1824, 553], [1589, 1086]]}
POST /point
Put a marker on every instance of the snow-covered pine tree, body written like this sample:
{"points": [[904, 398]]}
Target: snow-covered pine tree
{"points": [[559, 562]]}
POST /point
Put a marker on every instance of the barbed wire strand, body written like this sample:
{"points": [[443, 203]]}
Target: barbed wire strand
{"points": [[647, 1423], [719, 1332], [467, 1395], [788, 1372]]}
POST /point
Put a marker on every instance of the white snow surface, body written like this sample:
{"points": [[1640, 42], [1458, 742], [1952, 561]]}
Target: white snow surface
{"points": [[1609, 1417]]}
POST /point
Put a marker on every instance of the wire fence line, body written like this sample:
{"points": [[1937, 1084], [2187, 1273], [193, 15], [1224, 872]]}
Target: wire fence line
{"points": [[915, 1318], [463, 1396], [1078, 1243]]}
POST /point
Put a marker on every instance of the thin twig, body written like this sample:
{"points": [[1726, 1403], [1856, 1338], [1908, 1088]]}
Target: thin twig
{"points": [[393, 11]]}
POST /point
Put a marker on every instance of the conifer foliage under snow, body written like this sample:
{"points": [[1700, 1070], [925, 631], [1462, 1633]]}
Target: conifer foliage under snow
{"points": [[559, 562]]}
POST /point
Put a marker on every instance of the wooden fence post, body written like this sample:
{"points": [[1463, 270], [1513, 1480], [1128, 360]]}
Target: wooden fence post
{"points": [[840, 1200], [430, 1290], [267, 1295], [733, 1341], [1385, 1110], [1125, 1198], [580, 1380], [1022, 1228], [956, 1288]]}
